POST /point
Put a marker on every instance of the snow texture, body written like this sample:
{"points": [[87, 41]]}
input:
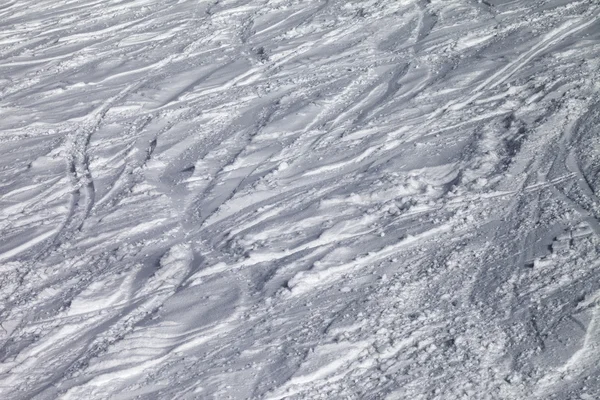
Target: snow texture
{"points": [[300, 199]]}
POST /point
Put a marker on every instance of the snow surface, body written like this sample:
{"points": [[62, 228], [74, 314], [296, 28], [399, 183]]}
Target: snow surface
{"points": [[378, 199]]}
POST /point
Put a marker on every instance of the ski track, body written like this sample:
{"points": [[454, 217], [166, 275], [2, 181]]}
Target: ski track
{"points": [[299, 199]]}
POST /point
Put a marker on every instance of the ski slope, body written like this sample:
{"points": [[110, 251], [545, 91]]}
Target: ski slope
{"points": [[300, 199]]}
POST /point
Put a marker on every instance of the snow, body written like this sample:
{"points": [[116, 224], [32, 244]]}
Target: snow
{"points": [[299, 199]]}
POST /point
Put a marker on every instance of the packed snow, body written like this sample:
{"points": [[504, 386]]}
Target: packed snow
{"points": [[300, 199]]}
